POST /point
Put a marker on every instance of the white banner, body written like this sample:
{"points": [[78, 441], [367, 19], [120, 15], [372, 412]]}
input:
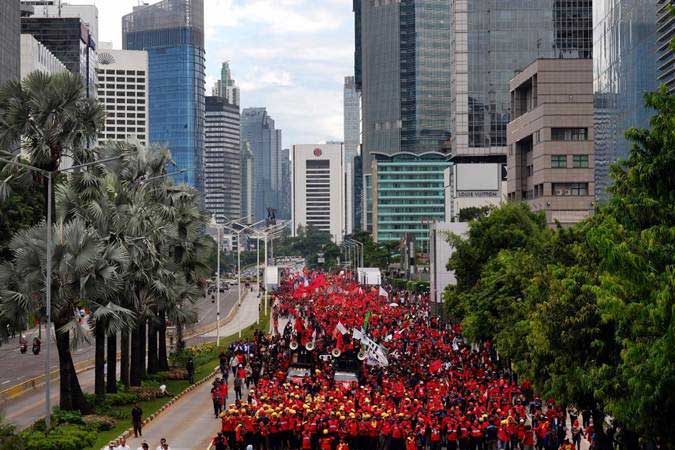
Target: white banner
{"points": [[374, 350]]}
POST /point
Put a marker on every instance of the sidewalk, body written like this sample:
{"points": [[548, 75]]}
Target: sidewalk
{"points": [[190, 423]]}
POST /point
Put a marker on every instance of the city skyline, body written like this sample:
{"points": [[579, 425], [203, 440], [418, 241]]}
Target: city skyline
{"points": [[285, 55]]}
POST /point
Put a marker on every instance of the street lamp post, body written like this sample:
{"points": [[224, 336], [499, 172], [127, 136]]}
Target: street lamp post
{"points": [[48, 278], [238, 233]]}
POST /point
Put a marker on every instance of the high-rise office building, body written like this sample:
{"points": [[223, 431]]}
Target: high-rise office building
{"points": [[402, 68], [624, 69], [284, 211], [352, 142], [69, 39], [318, 189], [37, 57], [123, 92], [172, 32], [408, 192], [222, 160], [10, 46], [57, 8], [226, 86], [258, 129], [247, 170], [492, 40], [550, 138], [352, 119], [665, 22]]}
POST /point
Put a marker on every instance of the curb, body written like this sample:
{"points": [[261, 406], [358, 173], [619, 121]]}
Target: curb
{"points": [[82, 366], [34, 383], [130, 431]]}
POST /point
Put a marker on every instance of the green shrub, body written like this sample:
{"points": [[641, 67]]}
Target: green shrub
{"points": [[121, 398], [63, 416], [145, 393], [99, 423], [64, 437]]}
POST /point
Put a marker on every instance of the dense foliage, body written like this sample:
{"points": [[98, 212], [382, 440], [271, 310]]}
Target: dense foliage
{"points": [[586, 312]]}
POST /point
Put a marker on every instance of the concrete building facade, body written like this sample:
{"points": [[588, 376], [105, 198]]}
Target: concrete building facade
{"points": [[123, 92], [550, 139], [491, 40], [318, 189], [37, 57], [10, 46], [226, 86], [222, 160], [473, 186]]}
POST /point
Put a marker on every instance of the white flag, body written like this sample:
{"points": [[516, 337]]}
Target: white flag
{"points": [[383, 293]]}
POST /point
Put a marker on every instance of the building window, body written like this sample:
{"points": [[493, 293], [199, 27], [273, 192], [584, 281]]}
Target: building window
{"points": [[570, 189], [569, 134], [558, 161], [580, 161]]}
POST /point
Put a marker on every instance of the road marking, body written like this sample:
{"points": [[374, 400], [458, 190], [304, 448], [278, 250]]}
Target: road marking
{"points": [[6, 381]]}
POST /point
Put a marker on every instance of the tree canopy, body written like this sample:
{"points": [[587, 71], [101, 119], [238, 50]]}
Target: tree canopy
{"points": [[586, 312]]}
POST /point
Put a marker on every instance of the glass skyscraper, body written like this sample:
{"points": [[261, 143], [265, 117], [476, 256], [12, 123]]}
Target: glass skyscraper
{"points": [[258, 129], [402, 68], [624, 60], [172, 32], [491, 41]]}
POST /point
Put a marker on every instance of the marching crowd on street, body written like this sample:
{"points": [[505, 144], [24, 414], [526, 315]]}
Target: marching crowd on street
{"points": [[431, 391]]}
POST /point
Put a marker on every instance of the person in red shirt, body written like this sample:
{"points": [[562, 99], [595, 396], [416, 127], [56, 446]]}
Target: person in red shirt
{"points": [[326, 441]]}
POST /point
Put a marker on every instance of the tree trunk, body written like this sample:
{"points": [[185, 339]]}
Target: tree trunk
{"points": [[153, 360], [99, 361], [137, 369], [163, 359], [124, 358], [111, 385], [71, 396], [180, 344]]}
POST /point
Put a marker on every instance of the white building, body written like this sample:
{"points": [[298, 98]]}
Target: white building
{"points": [[56, 8], [440, 252], [36, 57], [473, 185], [318, 197], [123, 91]]}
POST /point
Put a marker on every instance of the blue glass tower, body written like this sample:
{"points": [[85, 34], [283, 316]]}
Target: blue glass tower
{"points": [[172, 32]]}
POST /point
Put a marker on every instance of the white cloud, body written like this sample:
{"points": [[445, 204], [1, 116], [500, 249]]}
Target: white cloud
{"points": [[288, 55]]}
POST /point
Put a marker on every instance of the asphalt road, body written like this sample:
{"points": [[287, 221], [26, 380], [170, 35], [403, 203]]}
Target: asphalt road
{"points": [[29, 407]]}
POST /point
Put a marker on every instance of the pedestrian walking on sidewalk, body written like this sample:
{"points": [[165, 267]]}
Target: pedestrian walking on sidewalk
{"points": [[163, 445], [144, 446], [137, 420]]}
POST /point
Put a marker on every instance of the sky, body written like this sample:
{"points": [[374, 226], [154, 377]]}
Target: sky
{"points": [[290, 56]]}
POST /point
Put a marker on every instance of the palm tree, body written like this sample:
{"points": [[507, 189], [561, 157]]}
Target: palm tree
{"points": [[45, 118], [85, 270]]}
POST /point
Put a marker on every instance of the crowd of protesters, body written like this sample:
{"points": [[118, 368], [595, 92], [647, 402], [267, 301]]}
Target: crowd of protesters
{"points": [[434, 391]]}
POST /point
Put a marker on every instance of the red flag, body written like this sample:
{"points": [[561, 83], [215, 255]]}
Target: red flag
{"points": [[435, 366]]}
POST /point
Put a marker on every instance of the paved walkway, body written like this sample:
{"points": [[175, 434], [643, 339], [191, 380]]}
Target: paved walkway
{"points": [[190, 423]]}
